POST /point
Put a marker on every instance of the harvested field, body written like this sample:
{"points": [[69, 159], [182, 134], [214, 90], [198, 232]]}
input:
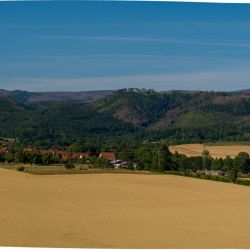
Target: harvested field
{"points": [[122, 211], [215, 151]]}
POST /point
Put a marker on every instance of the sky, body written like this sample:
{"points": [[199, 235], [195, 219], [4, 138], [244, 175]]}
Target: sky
{"points": [[95, 45]]}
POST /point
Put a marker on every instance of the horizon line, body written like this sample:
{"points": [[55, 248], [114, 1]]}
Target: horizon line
{"points": [[119, 89]]}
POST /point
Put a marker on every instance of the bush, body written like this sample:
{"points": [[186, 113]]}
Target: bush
{"points": [[205, 177], [21, 168], [198, 175], [69, 165], [243, 182], [217, 178]]}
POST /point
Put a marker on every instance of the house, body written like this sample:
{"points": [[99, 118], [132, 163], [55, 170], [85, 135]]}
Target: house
{"points": [[43, 152], [108, 155], [3, 143], [30, 149], [3, 150], [134, 163], [59, 153], [221, 173], [81, 155], [124, 163], [214, 173], [120, 164]]}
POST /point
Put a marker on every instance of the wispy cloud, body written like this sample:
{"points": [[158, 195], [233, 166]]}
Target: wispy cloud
{"points": [[203, 80], [148, 40], [191, 1]]}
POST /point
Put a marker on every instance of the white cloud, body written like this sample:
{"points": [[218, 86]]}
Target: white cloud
{"points": [[229, 43]]}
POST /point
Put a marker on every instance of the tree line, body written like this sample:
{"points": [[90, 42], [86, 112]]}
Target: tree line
{"points": [[150, 157]]}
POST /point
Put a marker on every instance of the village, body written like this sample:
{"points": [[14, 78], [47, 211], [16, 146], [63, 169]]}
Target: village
{"points": [[154, 158], [63, 156]]}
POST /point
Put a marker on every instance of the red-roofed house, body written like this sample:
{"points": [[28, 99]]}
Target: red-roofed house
{"points": [[35, 150], [107, 155], [59, 153], [3, 150], [30, 149], [76, 155]]}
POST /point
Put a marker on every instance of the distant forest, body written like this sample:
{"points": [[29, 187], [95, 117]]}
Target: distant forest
{"points": [[125, 116]]}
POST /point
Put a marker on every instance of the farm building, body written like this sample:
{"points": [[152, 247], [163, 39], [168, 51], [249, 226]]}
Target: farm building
{"points": [[214, 173], [120, 164], [124, 163], [107, 155]]}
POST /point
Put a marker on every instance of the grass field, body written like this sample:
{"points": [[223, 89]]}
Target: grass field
{"points": [[122, 211], [61, 170], [215, 150]]}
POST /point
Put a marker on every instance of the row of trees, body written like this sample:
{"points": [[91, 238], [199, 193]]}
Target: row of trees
{"points": [[29, 157], [160, 159], [206, 162], [150, 157], [154, 158]]}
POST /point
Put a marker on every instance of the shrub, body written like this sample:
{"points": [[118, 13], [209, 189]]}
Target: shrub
{"points": [[198, 175], [21, 168], [217, 178], [69, 165], [243, 182]]}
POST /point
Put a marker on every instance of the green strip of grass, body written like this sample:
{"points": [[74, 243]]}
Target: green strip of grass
{"points": [[60, 170], [227, 143], [91, 171], [210, 177]]}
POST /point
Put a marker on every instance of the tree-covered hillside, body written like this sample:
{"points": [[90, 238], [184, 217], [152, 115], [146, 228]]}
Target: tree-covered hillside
{"points": [[209, 116], [141, 108], [132, 114], [14, 117]]}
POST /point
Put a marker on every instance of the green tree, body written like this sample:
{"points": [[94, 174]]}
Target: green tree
{"points": [[217, 164], [206, 159], [9, 157], [228, 163], [232, 174], [100, 162], [144, 156], [2, 157], [231, 168], [162, 159], [242, 161]]}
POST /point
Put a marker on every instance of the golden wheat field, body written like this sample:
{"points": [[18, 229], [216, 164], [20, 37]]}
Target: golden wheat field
{"points": [[122, 211], [215, 151]]}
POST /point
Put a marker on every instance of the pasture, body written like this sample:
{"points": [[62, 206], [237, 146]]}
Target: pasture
{"points": [[216, 151], [61, 170], [122, 211]]}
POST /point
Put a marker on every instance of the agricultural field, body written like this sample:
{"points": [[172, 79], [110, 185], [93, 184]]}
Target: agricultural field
{"points": [[216, 151], [122, 211]]}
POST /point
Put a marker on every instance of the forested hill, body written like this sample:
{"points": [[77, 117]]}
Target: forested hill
{"points": [[128, 114]]}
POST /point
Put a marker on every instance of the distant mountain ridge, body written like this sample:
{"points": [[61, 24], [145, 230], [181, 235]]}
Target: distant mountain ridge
{"points": [[85, 96], [31, 97]]}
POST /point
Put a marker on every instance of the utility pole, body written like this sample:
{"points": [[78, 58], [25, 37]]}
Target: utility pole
{"points": [[158, 161], [204, 163]]}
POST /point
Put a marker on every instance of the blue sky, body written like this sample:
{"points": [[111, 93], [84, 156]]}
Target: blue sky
{"points": [[58, 46]]}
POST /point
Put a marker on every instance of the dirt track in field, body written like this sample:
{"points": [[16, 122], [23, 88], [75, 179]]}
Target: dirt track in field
{"points": [[122, 211], [215, 151]]}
